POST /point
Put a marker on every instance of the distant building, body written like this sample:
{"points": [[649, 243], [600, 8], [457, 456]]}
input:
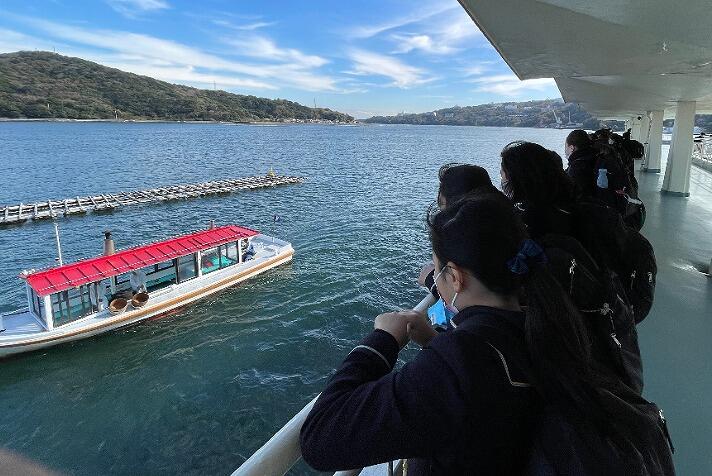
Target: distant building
{"points": [[511, 107]]}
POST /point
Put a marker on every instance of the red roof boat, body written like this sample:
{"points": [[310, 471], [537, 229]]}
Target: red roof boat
{"points": [[94, 269]]}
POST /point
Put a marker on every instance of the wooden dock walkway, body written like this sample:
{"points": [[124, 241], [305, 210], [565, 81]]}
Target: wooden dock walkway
{"points": [[12, 214]]}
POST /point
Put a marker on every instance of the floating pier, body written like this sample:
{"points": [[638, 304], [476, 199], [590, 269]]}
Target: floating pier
{"points": [[51, 209]]}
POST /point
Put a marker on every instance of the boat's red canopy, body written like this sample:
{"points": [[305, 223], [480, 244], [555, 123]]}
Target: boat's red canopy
{"points": [[95, 269]]}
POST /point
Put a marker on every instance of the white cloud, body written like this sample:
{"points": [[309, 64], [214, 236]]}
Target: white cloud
{"points": [[173, 61], [476, 69], [265, 48], [422, 13], [408, 43], [510, 85], [403, 75], [188, 75], [246, 27], [458, 28], [133, 8], [451, 33], [11, 41]]}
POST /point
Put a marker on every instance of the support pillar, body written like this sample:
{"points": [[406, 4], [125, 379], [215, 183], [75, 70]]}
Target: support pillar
{"points": [[655, 142], [677, 172]]}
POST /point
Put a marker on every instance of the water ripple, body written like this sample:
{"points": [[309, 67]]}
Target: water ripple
{"points": [[198, 390]]}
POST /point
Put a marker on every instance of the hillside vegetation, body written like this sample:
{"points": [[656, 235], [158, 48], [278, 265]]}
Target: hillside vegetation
{"points": [[516, 114], [48, 85], [509, 114]]}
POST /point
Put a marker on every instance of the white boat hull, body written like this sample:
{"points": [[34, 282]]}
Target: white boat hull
{"points": [[24, 333]]}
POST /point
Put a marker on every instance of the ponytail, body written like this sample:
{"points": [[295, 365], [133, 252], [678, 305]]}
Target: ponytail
{"points": [[484, 235], [557, 341]]}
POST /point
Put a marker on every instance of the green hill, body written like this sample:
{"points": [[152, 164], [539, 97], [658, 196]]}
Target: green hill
{"points": [[509, 114], [48, 85], [517, 114]]}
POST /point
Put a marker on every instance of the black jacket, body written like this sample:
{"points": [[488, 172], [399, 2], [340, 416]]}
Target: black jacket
{"points": [[542, 221], [582, 170], [460, 407]]}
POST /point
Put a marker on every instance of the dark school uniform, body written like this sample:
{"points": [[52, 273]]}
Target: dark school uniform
{"points": [[460, 407]]}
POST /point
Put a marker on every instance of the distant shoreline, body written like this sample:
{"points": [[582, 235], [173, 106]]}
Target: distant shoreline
{"points": [[168, 121]]}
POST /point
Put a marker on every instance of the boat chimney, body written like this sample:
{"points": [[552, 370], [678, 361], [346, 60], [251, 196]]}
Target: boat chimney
{"points": [[108, 243], [211, 225]]}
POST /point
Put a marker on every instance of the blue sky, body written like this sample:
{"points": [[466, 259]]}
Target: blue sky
{"points": [[364, 58]]}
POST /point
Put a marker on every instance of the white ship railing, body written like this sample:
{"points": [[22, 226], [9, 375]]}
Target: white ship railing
{"points": [[282, 451]]}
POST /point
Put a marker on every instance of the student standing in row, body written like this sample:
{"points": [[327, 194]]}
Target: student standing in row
{"points": [[468, 402]]}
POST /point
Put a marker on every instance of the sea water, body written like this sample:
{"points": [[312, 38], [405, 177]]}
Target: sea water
{"points": [[199, 390]]}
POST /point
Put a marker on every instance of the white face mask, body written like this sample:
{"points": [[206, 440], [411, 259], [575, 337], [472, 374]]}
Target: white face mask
{"points": [[450, 307]]}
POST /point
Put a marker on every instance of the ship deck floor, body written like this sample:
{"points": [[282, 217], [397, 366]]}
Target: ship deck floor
{"points": [[676, 337]]}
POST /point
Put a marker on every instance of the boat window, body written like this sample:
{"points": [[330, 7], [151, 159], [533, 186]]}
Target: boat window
{"points": [[160, 275], [123, 282], [37, 305], [163, 265], [59, 308], [187, 268], [209, 261], [70, 305], [225, 255], [232, 251]]}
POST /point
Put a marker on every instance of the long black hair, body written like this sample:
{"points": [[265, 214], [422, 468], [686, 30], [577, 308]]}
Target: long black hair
{"points": [[458, 180], [540, 188], [482, 234], [535, 176]]}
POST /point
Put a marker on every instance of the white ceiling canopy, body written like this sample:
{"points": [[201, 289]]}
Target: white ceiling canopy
{"points": [[617, 58]]}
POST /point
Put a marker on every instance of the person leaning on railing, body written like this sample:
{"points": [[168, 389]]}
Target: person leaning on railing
{"points": [[465, 404], [503, 390], [455, 181]]}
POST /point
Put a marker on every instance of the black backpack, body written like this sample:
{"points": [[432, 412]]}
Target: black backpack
{"points": [[600, 297], [615, 335], [629, 203], [634, 212], [608, 157], [564, 444], [618, 247], [634, 148], [621, 192], [639, 262]]}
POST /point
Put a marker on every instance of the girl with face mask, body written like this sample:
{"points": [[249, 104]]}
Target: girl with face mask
{"points": [[466, 403], [534, 180], [456, 181]]}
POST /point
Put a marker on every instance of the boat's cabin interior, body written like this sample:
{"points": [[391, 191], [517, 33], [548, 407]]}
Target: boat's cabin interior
{"points": [[72, 304]]}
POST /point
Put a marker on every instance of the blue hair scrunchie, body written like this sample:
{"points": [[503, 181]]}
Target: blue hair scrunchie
{"points": [[530, 249]]}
